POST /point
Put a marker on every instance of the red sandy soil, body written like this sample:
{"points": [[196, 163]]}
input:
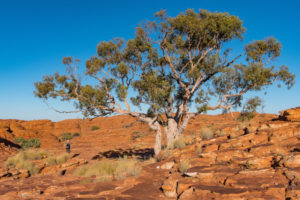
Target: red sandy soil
{"points": [[256, 160]]}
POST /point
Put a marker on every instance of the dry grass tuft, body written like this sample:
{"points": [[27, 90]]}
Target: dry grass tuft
{"points": [[163, 155], [180, 142], [108, 170], [22, 160], [206, 133], [60, 159], [184, 165]]}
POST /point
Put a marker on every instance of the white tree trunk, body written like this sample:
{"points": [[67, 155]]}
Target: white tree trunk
{"points": [[171, 131], [157, 145]]}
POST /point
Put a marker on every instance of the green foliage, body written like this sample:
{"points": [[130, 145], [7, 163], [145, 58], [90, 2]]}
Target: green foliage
{"points": [[94, 128], [161, 74], [33, 142], [249, 109], [171, 64], [68, 136]]}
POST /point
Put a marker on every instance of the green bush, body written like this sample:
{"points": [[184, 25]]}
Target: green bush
{"points": [[246, 116], [94, 128], [68, 136], [33, 142], [249, 109]]}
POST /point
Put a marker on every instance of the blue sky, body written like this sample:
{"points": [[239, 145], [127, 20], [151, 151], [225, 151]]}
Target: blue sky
{"points": [[36, 35]]}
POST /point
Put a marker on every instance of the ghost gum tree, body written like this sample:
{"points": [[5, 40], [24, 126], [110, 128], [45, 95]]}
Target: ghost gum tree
{"points": [[171, 65]]}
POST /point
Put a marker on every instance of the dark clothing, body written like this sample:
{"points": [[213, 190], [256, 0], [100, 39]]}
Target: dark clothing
{"points": [[68, 147]]}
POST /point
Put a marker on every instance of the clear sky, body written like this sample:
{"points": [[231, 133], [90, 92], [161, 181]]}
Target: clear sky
{"points": [[36, 35]]}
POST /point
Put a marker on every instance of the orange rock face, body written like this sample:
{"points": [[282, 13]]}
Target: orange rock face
{"points": [[255, 160], [292, 114]]}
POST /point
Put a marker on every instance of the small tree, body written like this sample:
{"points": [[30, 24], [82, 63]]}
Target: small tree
{"points": [[171, 65]]}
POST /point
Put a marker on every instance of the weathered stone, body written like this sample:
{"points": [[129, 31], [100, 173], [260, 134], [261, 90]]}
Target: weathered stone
{"points": [[169, 187], [24, 173], [210, 148], [167, 165], [292, 114], [191, 174], [259, 162], [183, 187], [292, 161], [186, 195]]}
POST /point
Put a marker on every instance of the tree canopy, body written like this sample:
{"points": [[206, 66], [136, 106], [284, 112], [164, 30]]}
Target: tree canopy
{"points": [[171, 65]]}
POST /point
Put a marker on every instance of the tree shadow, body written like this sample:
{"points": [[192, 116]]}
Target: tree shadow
{"points": [[142, 154], [9, 143]]}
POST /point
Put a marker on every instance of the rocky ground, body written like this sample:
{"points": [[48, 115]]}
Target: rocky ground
{"points": [[259, 159]]}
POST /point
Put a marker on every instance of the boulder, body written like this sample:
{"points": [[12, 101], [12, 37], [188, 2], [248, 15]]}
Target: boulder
{"points": [[169, 187], [167, 165], [292, 114]]}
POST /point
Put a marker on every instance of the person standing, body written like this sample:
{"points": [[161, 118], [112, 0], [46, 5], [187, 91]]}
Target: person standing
{"points": [[68, 146]]}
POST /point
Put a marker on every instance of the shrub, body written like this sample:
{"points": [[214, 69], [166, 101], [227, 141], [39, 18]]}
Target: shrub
{"points": [[51, 160], [107, 170], [248, 165], [60, 159], [246, 116], [22, 160], [163, 155], [33, 142], [103, 170], [184, 165], [198, 150], [180, 142], [68, 136], [94, 128], [127, 168], [206, 133], [19, 140], [249, 109], [85, 181]]}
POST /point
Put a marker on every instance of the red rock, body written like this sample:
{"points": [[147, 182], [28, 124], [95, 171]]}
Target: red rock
{"points": [[187, 194], [169, 187], [292, 114], [210, 148]]}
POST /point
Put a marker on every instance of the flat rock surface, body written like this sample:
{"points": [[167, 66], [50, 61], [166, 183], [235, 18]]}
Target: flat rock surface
{"points": [[255, 160]]}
